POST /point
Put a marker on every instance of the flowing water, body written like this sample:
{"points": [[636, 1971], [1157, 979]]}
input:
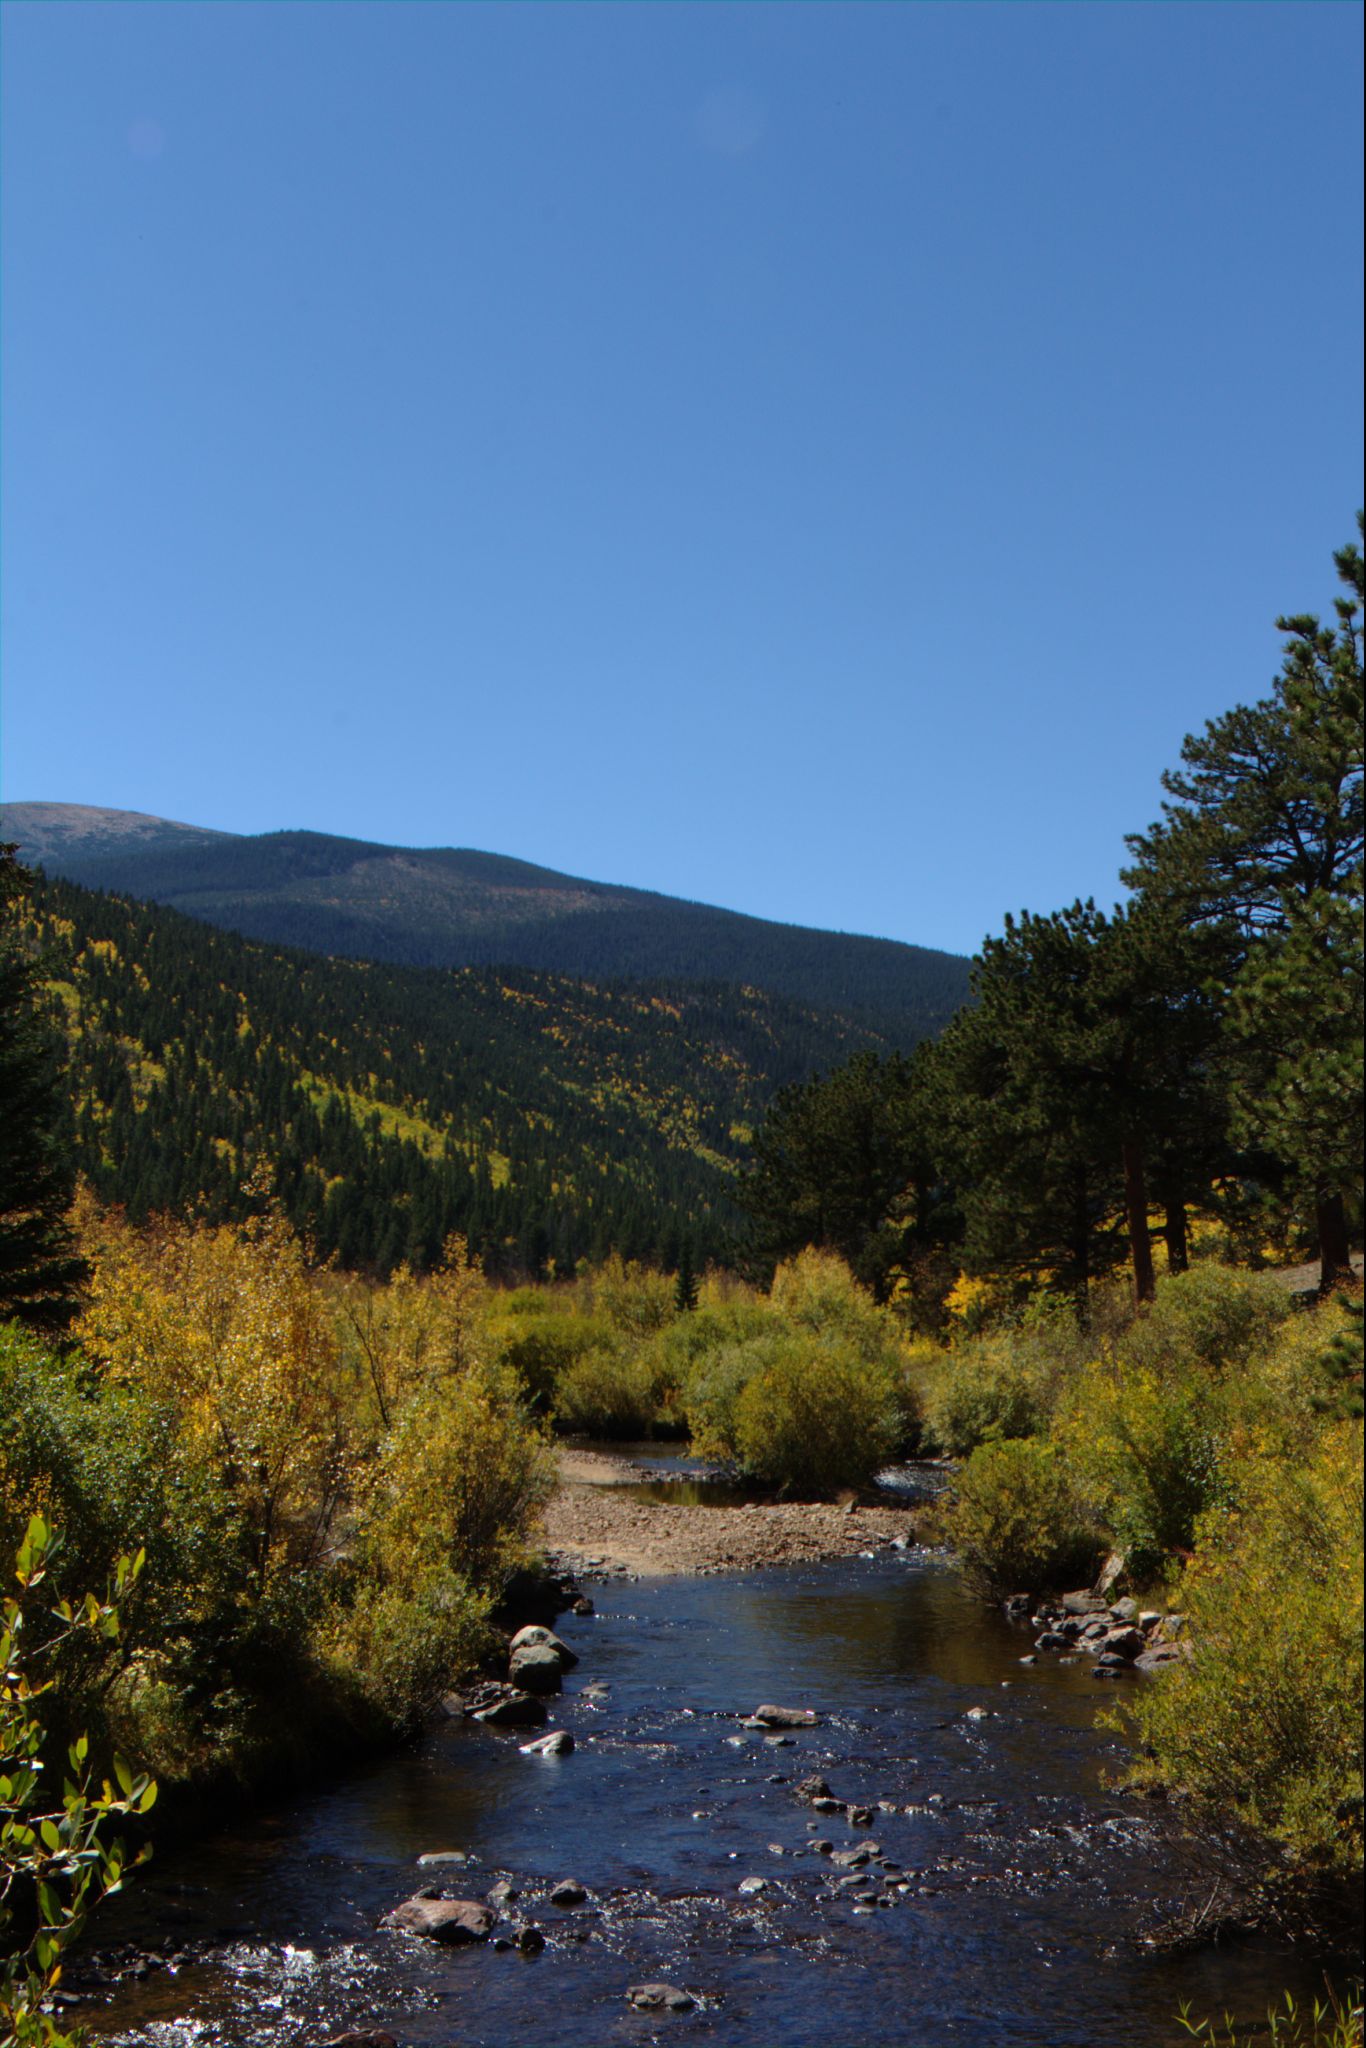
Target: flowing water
{"points": [[1022, 1884]]}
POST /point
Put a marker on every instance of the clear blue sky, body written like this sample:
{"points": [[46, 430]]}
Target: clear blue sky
{"points": [[813, 459]]}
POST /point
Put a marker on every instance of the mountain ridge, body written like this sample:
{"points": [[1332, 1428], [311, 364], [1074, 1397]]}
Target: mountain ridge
{"points": [[458, 907]]}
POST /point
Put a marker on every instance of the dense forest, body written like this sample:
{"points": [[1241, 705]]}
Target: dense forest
{"points": [[546, 1120], [449, 907]]}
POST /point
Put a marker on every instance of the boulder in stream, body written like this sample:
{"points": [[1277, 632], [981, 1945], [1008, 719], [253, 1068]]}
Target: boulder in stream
{"points": [[450, 1921], [535, 1668], [509, 1707], [785, 1717], [660, 1998], [568, 1892], [536, 1638], [558, 1743]]}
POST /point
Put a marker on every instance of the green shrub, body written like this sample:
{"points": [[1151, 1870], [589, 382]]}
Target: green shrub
{"points": [[402, 1644], [816, 1417], [1153, 1451], [542, 1348], [1018, 1524], [1215, 1317], [984, 1392], [1264, 1720], [611, 1392]]}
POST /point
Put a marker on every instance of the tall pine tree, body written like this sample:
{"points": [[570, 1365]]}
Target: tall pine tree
{"points": [[40, 1271]]}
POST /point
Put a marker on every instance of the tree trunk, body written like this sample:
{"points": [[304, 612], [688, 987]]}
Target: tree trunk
{"points": [[1136, 1206], [1335, 1251], [1081, 1249], [1178, 1243]]}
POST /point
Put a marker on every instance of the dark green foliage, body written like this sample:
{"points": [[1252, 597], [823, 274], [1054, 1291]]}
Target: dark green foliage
{"points": [[1263, 838], [1082, 1080], [40, 1273], [450, 907], [546, 1120], [840, 1162], [1339, 1395]]}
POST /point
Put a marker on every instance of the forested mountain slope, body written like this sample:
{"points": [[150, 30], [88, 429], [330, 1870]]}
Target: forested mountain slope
{"points": [[546, 1118], [448, 907]]}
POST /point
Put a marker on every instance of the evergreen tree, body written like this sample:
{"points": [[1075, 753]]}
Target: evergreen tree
{"points": [[40, 1272], [1263, 837]]}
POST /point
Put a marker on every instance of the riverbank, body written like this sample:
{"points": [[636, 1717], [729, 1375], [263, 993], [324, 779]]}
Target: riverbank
{"points": [[592, 1524]]}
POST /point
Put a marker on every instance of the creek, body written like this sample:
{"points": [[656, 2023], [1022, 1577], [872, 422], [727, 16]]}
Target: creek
{"points": [[1015, 1917]]}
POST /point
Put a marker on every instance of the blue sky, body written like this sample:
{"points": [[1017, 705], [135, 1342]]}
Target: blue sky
{"points": [[818, 460]]}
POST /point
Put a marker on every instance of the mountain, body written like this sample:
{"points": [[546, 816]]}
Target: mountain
{"points": [[452, 907], [545, 1118]]}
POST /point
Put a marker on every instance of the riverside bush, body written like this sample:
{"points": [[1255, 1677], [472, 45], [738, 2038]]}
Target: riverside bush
{"points": [[611, 1391], [1151, 1451], [1018, 1523], [541, 1349], [983, 1392], [1264, 1721], [810, 1391], [817, 1417], [1215, 1317]]}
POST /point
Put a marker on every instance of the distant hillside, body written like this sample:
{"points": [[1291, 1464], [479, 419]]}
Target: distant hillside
{"points": [[448, 907], [548, 1119]]}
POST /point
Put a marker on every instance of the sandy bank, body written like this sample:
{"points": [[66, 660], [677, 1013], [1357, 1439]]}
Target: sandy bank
{"points": [[590, 1523]]}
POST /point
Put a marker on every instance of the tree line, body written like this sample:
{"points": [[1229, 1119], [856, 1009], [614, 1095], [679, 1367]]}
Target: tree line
{"points": [[1195, 1052]]}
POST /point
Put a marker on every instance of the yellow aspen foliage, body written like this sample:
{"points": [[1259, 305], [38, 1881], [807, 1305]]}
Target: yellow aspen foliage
{"points": [[228, 1327], [407, 1336]]}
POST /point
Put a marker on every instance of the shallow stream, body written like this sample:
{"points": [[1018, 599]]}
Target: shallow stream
{"points": [[1022, 1883]]}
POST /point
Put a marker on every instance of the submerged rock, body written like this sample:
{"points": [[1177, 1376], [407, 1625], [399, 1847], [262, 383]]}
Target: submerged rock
{"points": [[505, 1706], [558, 1743], [450, 1921]]}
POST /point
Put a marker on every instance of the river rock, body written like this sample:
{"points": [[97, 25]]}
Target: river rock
{"points": [[536, 1638], [829, 1805], [812, 1788], [582, 1605], [558, 1743], [1084, 1603], [530, 1940], [535, 1668], [748, 1886], [785, 1717], [568, 1892], [368, 2037], [434, 1857], [506, 1706], [1125, 1642], [502, 1894], [1159, 1658], [852, 1859], [446, 1920], [660, 1998]]}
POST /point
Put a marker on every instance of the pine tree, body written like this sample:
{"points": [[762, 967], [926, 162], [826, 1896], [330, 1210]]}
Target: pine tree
{"points": [[40, 1271], [1264, 837]]}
